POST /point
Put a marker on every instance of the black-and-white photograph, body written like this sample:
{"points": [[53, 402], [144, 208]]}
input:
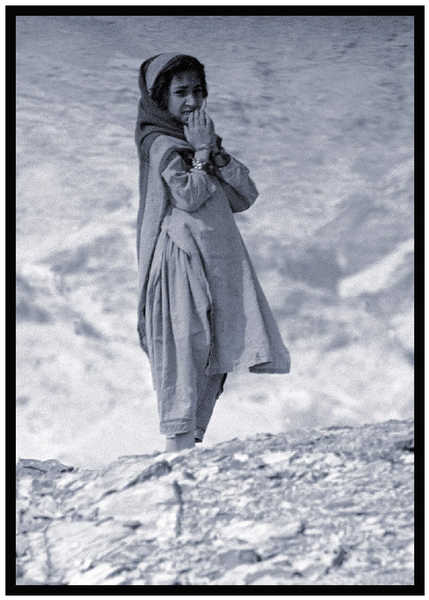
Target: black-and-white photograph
{"points": [[214, 298]]}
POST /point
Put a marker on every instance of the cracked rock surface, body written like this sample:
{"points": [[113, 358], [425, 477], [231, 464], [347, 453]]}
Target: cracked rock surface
{"points": [[330, 506]]}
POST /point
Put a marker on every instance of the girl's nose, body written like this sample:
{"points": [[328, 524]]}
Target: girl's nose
{"points": [[191, 101]]}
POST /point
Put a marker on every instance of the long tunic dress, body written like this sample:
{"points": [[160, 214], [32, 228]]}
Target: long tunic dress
{"points": [[206, 313]]}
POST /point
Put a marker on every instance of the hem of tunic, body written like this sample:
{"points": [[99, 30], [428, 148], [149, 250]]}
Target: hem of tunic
{"points": [[268, 370], [254, 366]]}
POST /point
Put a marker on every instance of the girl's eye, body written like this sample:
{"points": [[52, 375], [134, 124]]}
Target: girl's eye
{"points": [[197, 92]]}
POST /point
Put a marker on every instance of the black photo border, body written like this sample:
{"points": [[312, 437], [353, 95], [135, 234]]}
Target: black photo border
{"points": [[11, 12]]}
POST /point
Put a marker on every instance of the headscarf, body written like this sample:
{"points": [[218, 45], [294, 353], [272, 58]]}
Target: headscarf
{"points": [[152, 121], [151, 118]]}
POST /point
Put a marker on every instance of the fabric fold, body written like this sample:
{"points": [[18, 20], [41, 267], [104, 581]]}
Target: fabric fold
{"points": [[179, 339]]}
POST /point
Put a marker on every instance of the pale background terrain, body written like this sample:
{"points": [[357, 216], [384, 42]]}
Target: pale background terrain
{"points": [[321, 111]]}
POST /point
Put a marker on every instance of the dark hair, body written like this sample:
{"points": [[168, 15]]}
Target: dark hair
{"points": [[177, 65]]}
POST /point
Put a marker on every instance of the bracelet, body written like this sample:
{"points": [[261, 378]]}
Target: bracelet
{"points": [[198, 164]]}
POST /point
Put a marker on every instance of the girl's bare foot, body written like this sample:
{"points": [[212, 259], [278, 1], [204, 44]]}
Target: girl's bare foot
{"points": [[180, 442]]}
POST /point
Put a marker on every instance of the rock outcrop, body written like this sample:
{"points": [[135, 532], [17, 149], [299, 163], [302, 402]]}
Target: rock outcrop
{"points": [[312, 507]]}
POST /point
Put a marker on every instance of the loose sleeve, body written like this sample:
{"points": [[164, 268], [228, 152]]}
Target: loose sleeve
{"points": [[236, 175], [189, 189]]}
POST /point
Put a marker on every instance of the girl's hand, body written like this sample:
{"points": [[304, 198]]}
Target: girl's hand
{"points": [[199, 130]]}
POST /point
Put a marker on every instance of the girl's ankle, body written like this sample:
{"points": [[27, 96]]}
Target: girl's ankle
{"points": [[182, 441]]}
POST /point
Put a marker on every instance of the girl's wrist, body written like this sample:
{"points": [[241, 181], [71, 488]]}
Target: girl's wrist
{"points": [[210, 146], [202, 155]]}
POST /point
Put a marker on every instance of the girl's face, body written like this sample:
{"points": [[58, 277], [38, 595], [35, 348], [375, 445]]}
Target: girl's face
{"points": [[184, 95]]}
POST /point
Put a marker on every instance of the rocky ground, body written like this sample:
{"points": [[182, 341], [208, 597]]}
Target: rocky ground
{"points": [[310, 507]]}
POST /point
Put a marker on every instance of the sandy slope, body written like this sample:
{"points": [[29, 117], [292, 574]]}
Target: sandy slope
{"points": [[320, 108]]}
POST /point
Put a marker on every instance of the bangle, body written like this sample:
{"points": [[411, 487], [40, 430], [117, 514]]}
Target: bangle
{"points": [[198, 164]]}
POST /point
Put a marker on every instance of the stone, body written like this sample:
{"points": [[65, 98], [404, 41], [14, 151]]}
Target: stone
{"points": [[34, 467], [207, 472], [72, 544], [237, 556], [163, 578], [274, 458], [99, 575], [36, 567], [240, 457], [157, 469], [132, 524], [24, 487], [47, 507], [22, 545], [252, 532], [43, 485], [153, 503], [272, 577]]}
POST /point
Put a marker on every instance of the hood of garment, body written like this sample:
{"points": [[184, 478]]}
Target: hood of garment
{"points": [[151, 119]]}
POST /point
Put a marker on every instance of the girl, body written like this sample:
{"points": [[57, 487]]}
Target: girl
{"points": [[201, 311]]}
